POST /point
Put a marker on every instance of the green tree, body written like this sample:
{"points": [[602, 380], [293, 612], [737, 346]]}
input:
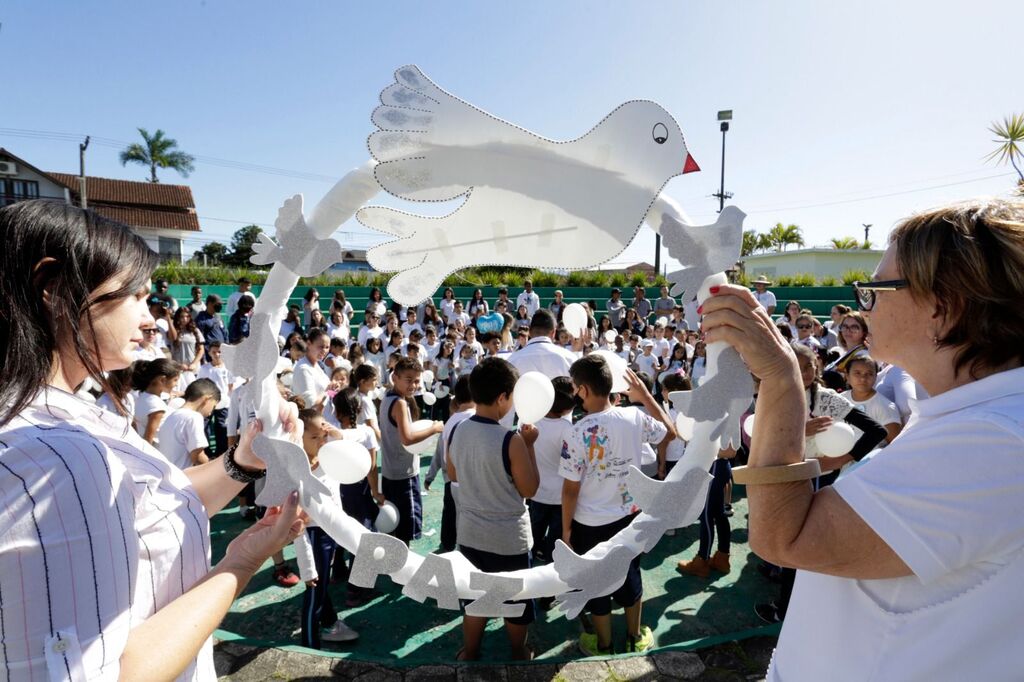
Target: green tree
{"points": [[751, 242], [1009, 136], [241, 246], [211, 254], [844, 243], [780, 236], [157, 152]]}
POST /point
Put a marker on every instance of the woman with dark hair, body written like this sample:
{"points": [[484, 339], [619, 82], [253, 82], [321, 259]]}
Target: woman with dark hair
{"points": [[151, 379], [317, 321], [375, 303], [311, 302], [927, 534], [477, 305], [789, 316], [634, 323], [339, 302], [447, 307], [139, 599], [187, 349], [431, 318]]}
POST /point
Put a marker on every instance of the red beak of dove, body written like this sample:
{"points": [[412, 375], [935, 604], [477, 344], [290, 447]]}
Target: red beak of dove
{"points": [[690, 166]]}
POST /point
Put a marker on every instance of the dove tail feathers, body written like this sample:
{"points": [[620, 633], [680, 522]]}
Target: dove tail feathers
{"points": [[421, 257]]}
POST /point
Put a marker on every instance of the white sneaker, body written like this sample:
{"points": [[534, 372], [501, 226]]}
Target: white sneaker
{"points": [[339, 632]]}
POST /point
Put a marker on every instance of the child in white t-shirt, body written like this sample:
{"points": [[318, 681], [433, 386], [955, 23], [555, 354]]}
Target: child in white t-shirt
{"points": [[218, 373], [182, 435], [467, 360], [463, 408], [152, 379], [546, 504], [596, 502], [648, 362], [861, 374], [365, 379]]}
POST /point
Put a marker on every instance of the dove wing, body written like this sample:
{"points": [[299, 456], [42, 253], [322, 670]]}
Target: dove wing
{"points": [[428, 139]]}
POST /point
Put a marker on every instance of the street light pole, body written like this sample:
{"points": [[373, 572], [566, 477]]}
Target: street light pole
{"points": [[723, 116], [81, 171], [867, 227]]}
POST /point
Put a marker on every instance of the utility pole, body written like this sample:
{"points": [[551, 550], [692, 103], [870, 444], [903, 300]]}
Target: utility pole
{"points": [[724, 116], [81, 172], [867, 228], [657, 252]]}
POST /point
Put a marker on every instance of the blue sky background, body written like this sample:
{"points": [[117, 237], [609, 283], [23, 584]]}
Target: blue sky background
{"points": [[845, 113]]}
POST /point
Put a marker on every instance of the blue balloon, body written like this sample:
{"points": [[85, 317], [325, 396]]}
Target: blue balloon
{"points": [[490, 324]]}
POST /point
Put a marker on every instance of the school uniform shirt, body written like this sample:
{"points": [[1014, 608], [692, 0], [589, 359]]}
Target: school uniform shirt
{"points": [[431, 348], [455, 317], [366, 333], [339, 331], [147, 354], [309, 381], [97, 533], [648, 363], [447, 308], [221, 376], [466, 365], [676, 448], [662, 348], [145, 405], [541, 354], [878, 407], [181, 432], [598, 455], [551, 433], [408, 329], [367, 411], [241, 408], [946, 497], [440, 460]]}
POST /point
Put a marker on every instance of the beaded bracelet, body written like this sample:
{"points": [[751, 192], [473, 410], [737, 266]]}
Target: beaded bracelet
{"points": [[236, 472], [783, 473]]}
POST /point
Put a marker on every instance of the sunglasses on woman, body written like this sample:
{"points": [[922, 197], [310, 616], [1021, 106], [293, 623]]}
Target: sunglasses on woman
{"points": [[865, 291]]}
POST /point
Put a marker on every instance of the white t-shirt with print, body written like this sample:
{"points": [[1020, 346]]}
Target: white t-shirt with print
{"points": [[551, 434], [598, 455], [181, 432]]}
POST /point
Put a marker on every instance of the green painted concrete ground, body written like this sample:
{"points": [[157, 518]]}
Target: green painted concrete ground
{"points": [[684, 612]]}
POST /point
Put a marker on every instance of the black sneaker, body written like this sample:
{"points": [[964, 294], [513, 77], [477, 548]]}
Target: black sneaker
{"points": [[769, 613]]}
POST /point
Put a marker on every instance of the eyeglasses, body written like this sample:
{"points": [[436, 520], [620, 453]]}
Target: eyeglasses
{"points": [[850, 327], [865, 291], [803, 326], [150, 331]]}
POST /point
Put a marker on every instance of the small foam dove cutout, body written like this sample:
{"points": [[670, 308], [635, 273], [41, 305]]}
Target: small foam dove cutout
{"points": [[722, 398], [256, 357], [529, 201], [590, 578], [702, 251], [297, 247], [666, 504], [287, 470]]}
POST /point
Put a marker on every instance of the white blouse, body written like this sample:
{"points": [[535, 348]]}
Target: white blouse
{"points": [[97, 533]]}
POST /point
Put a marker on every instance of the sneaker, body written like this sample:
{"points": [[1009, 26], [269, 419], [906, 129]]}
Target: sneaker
{"points": [[284, 577], [589, 647], [769, 613], [642, 642], [339, 632]]}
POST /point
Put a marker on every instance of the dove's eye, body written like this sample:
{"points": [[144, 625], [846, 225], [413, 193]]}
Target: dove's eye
{"points": [[660, 133]]}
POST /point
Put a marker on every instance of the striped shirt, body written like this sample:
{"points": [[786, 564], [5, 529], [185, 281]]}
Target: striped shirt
{"points": [[97, 532]]}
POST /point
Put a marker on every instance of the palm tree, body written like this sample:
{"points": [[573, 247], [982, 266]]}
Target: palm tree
{"points": [[751, 242], [1009, 134], [781, 236], [844, 243], [159, 151]]}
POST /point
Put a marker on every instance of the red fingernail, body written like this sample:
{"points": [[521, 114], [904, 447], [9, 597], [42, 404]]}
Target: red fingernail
{"points": [[700, 310], [714, 289]]}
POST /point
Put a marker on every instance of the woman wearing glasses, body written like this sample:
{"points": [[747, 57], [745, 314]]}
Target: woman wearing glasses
{"points": [[104, 545], [911, 563], [789, 316]]}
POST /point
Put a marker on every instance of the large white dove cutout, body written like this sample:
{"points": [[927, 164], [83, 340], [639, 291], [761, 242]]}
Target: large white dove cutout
{"points": [[529, 201]]}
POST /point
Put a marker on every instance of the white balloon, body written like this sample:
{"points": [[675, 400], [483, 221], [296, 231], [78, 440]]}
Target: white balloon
{"points": [[427, 378], [381, 310], [685, 426], [533, 396], [429, 398], [345, 461], [574, 317], [610, 335], [663, 321], [748, 426], [836, 440], [618, 366], [425, 444], [387, 518], [441, 391]]}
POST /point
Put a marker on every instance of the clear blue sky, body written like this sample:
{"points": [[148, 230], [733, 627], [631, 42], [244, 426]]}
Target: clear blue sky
{"points": [[845, 113]]}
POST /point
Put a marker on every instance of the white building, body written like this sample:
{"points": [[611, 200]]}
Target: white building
{"points": [[163, 215], [820, 262]]}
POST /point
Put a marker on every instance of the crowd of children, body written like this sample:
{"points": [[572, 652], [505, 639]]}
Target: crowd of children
{"points": [[408, 374]]}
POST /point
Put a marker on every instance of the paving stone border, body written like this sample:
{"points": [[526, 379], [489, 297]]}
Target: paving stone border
{"points": [[741, 661]]}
